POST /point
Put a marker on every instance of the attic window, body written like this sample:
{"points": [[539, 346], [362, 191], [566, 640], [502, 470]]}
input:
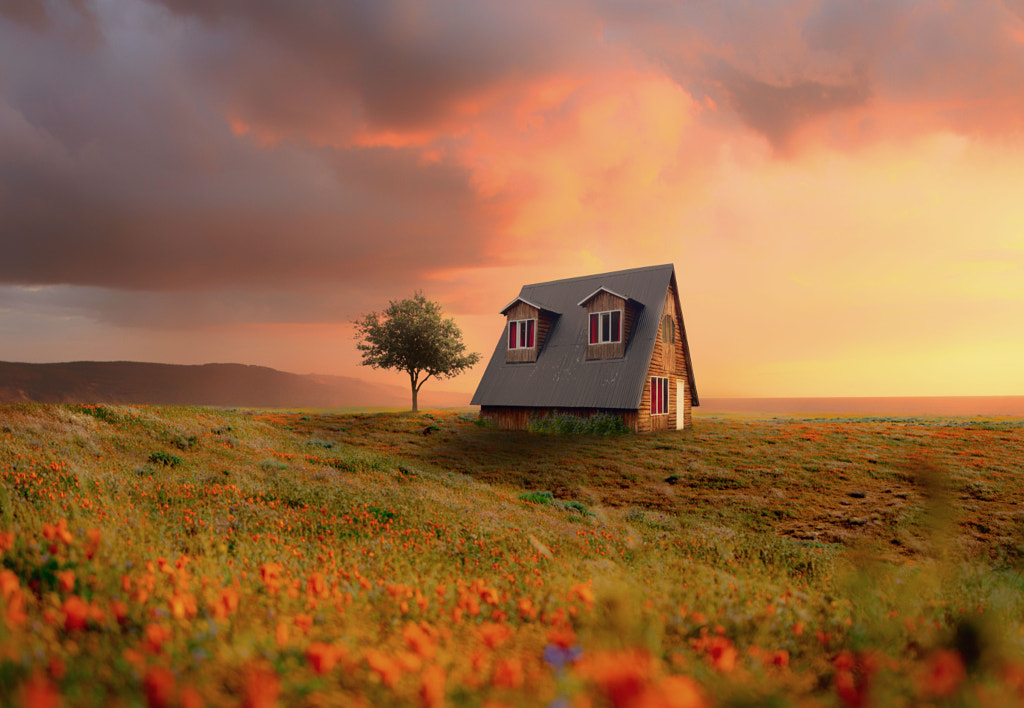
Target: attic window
{"points": [[520, 334], [606, 327], [668, 330]]}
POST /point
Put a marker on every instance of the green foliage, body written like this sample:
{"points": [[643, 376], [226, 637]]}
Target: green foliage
{"points": [[166, 459], [575, 506], [97, 412], [412, 336], [569, 424], [548, 499], [183, 442], [273, 465], [542, 498]]}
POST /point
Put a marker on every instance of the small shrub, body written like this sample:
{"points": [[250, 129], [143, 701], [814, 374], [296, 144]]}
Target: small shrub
{"points": [[166, 459], [273, 465], [382, 516], [185, 443], [981, 490], [542, 498], [571, 424], [97, 412], [548, 499], [575, 506]]}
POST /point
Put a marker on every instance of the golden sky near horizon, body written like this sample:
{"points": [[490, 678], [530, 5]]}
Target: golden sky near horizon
{"points": [[840, 184]]}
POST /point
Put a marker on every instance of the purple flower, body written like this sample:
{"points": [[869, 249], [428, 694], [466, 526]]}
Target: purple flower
{"points": [[558, 656]]}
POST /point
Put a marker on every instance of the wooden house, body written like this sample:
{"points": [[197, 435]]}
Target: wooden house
{"points": [[611, 343]]}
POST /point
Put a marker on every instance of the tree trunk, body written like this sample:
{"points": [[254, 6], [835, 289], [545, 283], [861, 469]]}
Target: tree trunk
{"points": [[415, 391]]}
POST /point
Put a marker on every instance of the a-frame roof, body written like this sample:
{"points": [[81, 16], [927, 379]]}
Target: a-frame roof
{"points": [[562, 376]]}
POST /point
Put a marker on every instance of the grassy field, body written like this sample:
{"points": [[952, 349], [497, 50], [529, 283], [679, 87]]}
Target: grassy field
{"points": [[191, 557]]}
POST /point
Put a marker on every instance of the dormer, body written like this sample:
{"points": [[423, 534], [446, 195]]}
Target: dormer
{"points": [[526, 328], [609, 321]]}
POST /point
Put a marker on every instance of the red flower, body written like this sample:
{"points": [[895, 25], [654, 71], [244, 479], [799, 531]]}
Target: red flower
{"points": [[432, 687], [944, 675], [38, 692], [158, 686], [508, 674], [76, 613], [322, 657]]}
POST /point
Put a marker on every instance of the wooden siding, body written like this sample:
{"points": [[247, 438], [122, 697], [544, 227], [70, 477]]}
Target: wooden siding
{"points": [[606, 302], [669, 364], [518, 417], [522, 311]]}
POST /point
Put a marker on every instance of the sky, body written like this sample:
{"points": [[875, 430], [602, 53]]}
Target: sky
{"points": [[839, 184]]}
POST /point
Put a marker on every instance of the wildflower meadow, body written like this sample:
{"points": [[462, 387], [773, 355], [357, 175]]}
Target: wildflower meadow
{"points": [[163, 557]]}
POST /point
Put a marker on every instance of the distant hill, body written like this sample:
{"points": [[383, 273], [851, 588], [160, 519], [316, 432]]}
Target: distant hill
{"points": [[233, 385]]}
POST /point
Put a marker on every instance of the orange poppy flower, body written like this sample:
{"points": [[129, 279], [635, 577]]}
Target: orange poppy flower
{"points": [[420, 640], [261, 688], [66, 580], [322, 657], [508, 673], [158, 685], [76, 613], [494, 635], [945, 672], [432, 687], [38, 692], [384, 666]]}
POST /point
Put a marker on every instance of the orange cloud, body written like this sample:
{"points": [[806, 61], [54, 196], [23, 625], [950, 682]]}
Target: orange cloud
{"points": [[837, 183]]}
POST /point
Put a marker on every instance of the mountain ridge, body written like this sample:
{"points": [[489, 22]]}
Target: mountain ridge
{"points": [[215, 384]]}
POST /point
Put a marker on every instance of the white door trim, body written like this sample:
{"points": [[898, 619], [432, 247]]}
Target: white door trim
{"points": [[680, 404]]}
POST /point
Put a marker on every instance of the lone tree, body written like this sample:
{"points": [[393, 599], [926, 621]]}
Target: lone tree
{"points": [[412, 336]]}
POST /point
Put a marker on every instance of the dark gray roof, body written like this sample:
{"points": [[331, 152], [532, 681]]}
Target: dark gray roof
{"points": [[562, 376]]}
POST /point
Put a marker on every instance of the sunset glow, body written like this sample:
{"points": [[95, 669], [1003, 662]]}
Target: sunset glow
{"points": [[840, 186]]}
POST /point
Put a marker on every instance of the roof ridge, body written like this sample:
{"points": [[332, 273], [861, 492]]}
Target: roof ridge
{"points": [[602, 275]]}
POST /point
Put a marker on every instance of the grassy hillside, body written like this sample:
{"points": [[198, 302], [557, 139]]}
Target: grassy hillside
{"points": [[189, 557]]}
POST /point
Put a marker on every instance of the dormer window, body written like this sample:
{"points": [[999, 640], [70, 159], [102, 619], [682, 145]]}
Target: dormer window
{"points": [[606, 327], [521, 334]]}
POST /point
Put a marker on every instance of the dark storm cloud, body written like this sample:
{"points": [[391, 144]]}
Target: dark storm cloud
{"points": [[393, 64], [35, 15], [186, 310], [199, 146], [782, 66], [778, 112], [1016, 7], [118, 169]]}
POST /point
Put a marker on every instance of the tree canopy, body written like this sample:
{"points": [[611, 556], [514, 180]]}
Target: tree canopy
{"points": [[412, 336]]}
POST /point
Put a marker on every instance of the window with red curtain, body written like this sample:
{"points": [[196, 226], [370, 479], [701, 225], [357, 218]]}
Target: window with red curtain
{"points": [[659, 395], [521, 334], [606, 327]]}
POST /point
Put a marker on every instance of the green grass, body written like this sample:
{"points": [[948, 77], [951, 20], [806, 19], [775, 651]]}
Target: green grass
{"points": [[808, 548]]}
